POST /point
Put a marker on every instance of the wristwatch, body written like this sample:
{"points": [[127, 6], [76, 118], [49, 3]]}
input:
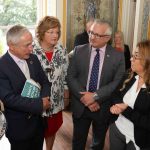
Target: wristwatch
{"points": [[95, 96]]}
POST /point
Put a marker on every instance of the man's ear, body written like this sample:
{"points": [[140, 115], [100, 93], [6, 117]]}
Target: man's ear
{"points": [[11, 45], [108, 38]]}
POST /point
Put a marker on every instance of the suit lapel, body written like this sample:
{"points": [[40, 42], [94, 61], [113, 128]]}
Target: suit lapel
{"points": [[106, 62], [31, 68], [13, 67], [87, 60]]}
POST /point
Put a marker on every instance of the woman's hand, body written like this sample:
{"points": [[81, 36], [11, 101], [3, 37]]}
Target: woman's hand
{"points": [[118, 108]]}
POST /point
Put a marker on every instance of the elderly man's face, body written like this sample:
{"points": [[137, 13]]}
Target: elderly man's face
{"points": [[97, 36], [23, 48]]}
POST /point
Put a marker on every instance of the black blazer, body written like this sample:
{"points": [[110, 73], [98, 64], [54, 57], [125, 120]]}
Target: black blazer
{"points": [[81, 38], [17, 108], [127, 57], [140, 115]]}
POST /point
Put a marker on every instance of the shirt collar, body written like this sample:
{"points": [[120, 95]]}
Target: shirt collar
{"points": [[15, 58], [137, 78], [102, 49]]}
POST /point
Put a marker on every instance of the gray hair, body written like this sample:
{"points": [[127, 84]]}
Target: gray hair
{"points": [[109, 29], [14, 33]]}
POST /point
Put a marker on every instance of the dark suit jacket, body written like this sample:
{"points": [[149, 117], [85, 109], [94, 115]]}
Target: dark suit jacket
{"points": [[112, 71], [81, 38], [18, 108], [139, 115], [127, 57]]}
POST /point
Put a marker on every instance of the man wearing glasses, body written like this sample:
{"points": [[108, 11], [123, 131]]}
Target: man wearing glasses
{"points": [[94, 72]]}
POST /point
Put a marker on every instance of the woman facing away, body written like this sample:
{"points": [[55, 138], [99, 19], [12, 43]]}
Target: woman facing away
{"points": [[118, 43], [54, 61], [131, 130]]}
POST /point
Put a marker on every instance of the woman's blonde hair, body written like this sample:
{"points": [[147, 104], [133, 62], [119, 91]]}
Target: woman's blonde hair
{"points": [[144, 53], [122, 38], [46, 23]]}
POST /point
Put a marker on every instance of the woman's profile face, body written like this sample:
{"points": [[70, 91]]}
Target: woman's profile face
{"points": [[136, 62], [51, 36]]}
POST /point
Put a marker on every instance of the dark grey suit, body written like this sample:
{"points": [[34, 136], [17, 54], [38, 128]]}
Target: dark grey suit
{"points": [[112, 71]]}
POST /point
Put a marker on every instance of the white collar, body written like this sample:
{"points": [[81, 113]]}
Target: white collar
{"points": [[137, 78]]}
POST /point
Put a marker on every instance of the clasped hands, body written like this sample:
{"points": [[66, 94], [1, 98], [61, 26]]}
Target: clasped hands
{"points": [[118, 108], [88, 101]]}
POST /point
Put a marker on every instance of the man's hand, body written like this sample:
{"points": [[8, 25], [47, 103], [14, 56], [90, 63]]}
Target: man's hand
{"points": [[94, 107], [87, 98], [46, 103], [66, 94]]}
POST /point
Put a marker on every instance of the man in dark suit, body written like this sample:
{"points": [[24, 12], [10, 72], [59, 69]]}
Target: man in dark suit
{"points": [[83, 38], [25, 126], [91, 105]]}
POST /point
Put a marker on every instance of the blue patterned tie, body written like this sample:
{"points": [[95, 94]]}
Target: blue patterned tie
{"points": [[94, 73]]}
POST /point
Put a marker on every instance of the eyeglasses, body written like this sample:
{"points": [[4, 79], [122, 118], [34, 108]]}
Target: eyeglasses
{"points": [[97, 36], [135, 56]]}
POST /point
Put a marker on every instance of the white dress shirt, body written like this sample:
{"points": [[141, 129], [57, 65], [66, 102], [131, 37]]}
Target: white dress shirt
{"points": [[22, 64]]}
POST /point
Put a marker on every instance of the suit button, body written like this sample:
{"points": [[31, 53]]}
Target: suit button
{"points": [[29, 116]]}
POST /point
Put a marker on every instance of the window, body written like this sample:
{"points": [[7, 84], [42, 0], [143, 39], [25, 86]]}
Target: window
{"points": [[16, 12], [26, 12]]}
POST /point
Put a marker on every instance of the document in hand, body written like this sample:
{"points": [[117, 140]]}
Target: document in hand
{"points": [[31, 89]]}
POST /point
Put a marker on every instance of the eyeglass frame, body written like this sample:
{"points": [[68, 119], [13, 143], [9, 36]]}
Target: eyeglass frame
{"points": [[136, 56], [96, 35]]}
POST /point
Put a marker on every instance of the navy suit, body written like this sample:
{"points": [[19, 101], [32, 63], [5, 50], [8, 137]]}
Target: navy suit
{"points": [[112, 71], [23, 115]]}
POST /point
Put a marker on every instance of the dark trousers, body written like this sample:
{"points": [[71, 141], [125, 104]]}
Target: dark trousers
{"points": [[34, 143], [118, 140], [81, 129]]}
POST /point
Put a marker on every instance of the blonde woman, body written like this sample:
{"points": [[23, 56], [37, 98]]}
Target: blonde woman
{"points": [[131, 130], [118, 43]]}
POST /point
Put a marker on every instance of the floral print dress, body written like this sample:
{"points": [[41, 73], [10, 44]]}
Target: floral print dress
{"points": [[56, 71]]}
